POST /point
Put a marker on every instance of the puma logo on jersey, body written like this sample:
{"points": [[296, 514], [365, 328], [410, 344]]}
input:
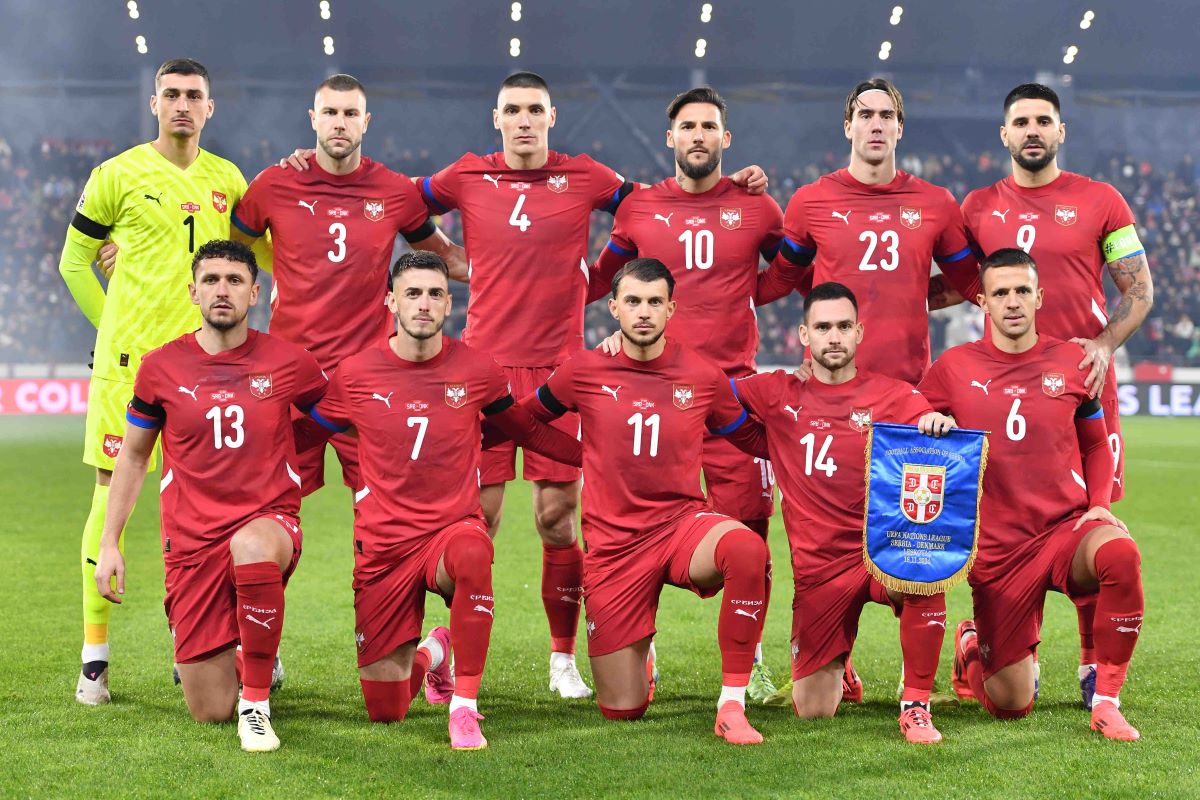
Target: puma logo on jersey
{"points": [[984, 386], [155, 199], [387, 401], [613, 392], [191, 391], [485, 610], [795, 412], [745, 613], [996, 213], [666, 219], [312, 207], [495, 181], [844, 217], [266, 624]]}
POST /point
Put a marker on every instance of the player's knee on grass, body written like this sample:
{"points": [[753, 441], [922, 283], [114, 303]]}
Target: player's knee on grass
{"points": [[1010, 691], [626, 714], [210, 685], [817, 695]]}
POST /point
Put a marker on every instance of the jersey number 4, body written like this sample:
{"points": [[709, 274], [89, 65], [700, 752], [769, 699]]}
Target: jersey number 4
{"points": [[516, 218]]}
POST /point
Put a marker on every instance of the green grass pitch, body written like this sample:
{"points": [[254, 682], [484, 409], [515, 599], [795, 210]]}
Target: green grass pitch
{"points": [[144, 745]]}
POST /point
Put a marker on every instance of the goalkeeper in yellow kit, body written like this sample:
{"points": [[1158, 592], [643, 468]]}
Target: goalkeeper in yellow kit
{"points": [[157, 202]]}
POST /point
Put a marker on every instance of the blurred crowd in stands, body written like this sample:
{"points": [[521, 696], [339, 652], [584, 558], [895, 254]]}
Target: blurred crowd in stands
{"points": [[39, 322]]}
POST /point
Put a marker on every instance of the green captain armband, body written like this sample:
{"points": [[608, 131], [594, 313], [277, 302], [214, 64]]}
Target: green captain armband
{"points": [[1122, 243]]}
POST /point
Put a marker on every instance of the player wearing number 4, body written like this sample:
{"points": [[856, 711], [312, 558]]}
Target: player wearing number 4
{"points": [[1044, 517], [158, 202], [816, 432], [222, 399], [416, 400]]}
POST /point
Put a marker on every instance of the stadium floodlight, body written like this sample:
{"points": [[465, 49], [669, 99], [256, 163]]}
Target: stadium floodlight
{"points": [[516, 12], [514, 47], [1084, 24], [897, 12], [1069, 58], [883, 55], [1072, 51], [1089, 15], [140, 41], [326, 12], [328, 41], [706, 12], [132, 6]]}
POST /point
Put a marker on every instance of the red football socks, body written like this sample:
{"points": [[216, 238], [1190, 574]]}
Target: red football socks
{"points": [[387, 701], [260, 623], [1085, 610], [1119, 608], [922, 629], [742, 558], [562, 594], [468, 558]]}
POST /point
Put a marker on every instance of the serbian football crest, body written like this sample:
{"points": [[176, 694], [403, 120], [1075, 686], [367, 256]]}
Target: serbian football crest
{"points": [[260, 386], [112, 445], [557, 183], [456, 394], [220, 203], [1066, 215], [683, 395], [373, 210], [910, 217], [1054, 383], [731, 218], [860, 419], [922, 492]]}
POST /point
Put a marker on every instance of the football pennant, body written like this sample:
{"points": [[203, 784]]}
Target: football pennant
{"points": [[921, 527]]}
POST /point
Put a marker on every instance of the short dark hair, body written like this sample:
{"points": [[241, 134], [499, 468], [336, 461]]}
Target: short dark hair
{"points": [[1032, 91], [182, 66], [646, 270], [880, 84], [701, 94], [830, 290], [525, 80], [419, 259], [228, 250], [342, 83], [1006, 257]]}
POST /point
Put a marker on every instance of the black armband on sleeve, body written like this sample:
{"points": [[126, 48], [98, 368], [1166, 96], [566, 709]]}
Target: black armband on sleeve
{"points": [[620, 194], [551, 402], [422, 233], [1090, 409], [148, 409], [501, 405], [797, 254], [89, 227]]}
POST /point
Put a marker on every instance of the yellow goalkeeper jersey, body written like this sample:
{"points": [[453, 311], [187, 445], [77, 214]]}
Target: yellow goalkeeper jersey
{"points": [[158, 214]]}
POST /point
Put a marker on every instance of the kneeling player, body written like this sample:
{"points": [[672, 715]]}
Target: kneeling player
{"points": [[1043, 525], [645, 520], [816, 432], [415, 400], [230, 497]]}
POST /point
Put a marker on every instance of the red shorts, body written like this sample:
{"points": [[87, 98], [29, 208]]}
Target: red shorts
{"points": [[1116, 441], [389, 605], [1008, 610], [201, 601], [825, 614], [499, 463], [620, 592], [311, 464], [739, 485]]}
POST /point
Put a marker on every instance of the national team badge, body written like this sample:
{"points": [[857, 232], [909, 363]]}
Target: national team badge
{"points": [[189, 207], [910, 217], [683, 395], [373, 210], [456, 394], [112, 445], [922, 492], [260, 386], [1054, 383], [1066, 215], [731, 218], [557, 183], [860, 419], [220, 202]]}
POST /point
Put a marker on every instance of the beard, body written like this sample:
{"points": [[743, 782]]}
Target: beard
{"points": [[421, 335], [1032, 164], [226, 323], [341, 152], [644, 340], [698, 171], [823, 359]]}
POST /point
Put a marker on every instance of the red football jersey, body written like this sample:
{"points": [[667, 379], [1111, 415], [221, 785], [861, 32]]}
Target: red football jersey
{"points": [[226, 433], [712, 243], [333, 237], [418, 441], [817, 435], [881, 242], [643, 427], [526, 237], [1027, 402]]}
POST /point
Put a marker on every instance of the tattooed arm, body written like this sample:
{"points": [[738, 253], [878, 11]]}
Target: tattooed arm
{"points": [[1132, 277]]}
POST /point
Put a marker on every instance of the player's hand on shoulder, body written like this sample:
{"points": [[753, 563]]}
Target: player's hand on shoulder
{"points": [[106, 259], [110, 564], [752, 178], [1098, 356], [804, 371], [935, 424], [298, 160], [1100, 514], [611, 345]]}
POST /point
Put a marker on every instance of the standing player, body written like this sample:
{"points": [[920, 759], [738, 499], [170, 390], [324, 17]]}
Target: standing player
{"points": [[521, 206], [333, 227], [644, 416], [416, 400], [157, 201], [816, 431], [222, 398], [1079, 226], [1043, 525], [712, 234]]}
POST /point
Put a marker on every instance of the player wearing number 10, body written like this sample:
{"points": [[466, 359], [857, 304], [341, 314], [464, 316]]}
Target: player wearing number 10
{"points": [[158, 202]]}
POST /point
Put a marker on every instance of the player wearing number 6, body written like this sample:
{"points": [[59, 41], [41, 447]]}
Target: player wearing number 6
{"points": [[222, 399], [158, 202], [1044, 517]]}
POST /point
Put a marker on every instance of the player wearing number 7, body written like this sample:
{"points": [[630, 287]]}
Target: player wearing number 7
{"points": [[158, 202]]}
